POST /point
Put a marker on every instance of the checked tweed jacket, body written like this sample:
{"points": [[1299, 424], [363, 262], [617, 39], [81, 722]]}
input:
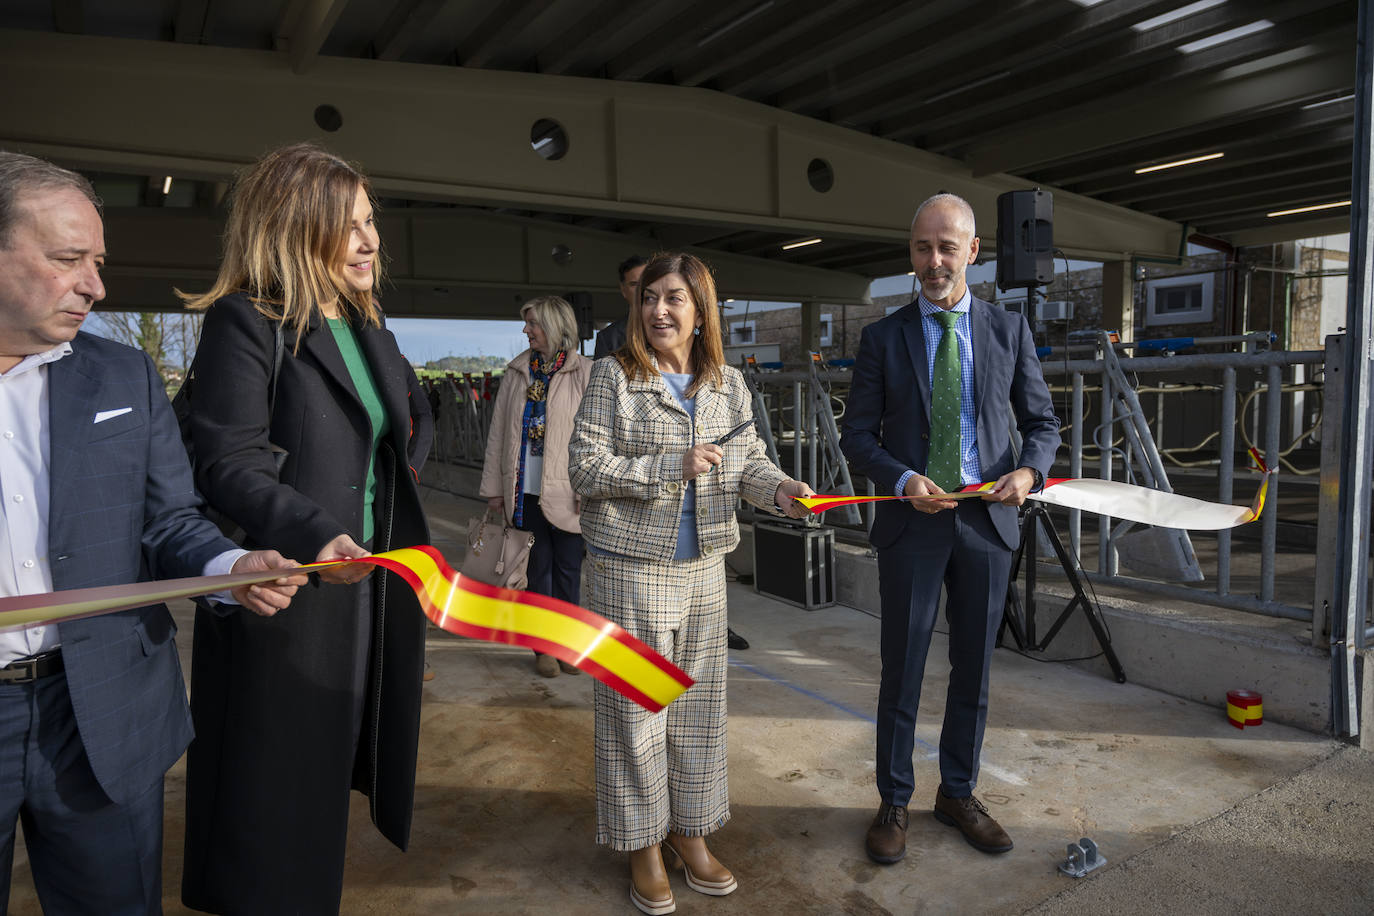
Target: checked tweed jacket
{"points": [[625, 459]]}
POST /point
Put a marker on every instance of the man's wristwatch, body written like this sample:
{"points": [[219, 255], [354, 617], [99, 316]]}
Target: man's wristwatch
{"points": [[1037, 479]]}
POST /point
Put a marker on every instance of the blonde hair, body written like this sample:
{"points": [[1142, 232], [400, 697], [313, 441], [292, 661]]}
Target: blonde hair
{"points": [[290, 216], [708, 354], [555, 316]]}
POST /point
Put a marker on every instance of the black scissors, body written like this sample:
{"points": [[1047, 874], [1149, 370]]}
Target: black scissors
{"points": [[734, 432]]}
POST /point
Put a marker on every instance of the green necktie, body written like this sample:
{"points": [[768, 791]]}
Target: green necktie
{"points": [[945, 387]]}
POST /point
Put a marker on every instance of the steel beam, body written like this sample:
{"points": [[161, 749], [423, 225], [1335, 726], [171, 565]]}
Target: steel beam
{"points": [[1357, 456], [305, 34], [1276, 231], [1289, 76], [447, 263], [454, 134], [407, 21]]}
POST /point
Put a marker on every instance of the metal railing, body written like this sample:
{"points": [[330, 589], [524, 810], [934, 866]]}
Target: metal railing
{"points": [[799, 410]]}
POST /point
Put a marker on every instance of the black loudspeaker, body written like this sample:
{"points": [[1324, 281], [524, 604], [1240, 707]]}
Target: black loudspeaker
{"points": [[582, 307], [1025, 238]]}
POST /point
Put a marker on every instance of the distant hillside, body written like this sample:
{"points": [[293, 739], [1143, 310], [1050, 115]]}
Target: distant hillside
{"points": [[467, 363]]}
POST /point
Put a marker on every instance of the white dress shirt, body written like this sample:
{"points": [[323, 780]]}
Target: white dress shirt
{"points": [[24, 497]]}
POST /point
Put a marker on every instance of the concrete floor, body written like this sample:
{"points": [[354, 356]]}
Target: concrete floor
{"points": [[504, 810]]}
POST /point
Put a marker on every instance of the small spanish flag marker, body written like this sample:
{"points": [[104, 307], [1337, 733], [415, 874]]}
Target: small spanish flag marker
{"points": [[1244, 707]]}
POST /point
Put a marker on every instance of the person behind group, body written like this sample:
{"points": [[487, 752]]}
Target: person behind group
{"points": [[525, 472], [293, 711], [658, 517], [935, 390], [97, 492], [612, 336]]}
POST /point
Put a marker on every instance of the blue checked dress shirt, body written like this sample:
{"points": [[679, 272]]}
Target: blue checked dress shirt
{"points": [[969, 467]]}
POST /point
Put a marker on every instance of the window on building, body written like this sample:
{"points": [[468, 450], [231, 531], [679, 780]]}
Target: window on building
{"points": [[826, 326], [1179, 300], [741, 333]]}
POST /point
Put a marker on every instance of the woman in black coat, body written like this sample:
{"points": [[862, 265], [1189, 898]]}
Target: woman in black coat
{"points": [[319, 462]]}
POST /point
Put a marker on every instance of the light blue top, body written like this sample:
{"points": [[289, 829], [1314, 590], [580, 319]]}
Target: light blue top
{"points": [[969, 469], [687, 526]]}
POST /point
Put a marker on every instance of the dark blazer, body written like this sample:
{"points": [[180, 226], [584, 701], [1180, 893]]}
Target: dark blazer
{"points": [[122, 509], [886, 426], [610, 338], [274, 699]]}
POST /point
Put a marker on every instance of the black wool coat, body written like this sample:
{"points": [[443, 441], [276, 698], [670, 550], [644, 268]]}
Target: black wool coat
{"points": [[276, 701]]}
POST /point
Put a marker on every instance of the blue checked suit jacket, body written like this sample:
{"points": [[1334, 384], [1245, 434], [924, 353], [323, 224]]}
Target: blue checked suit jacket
{"points": [[122, 509], [886, 426]]}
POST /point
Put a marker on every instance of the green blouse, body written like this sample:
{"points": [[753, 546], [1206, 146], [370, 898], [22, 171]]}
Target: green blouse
{"points": [[361, 373]]}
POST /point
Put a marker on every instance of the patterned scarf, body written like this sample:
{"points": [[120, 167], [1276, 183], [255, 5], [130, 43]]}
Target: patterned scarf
{"points": [[532, 426]]}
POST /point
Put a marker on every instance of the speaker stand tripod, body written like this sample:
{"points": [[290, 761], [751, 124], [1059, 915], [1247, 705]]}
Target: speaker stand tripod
{"points": [[1021, 620]]}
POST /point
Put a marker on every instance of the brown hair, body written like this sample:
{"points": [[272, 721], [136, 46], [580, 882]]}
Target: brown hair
{"points": [[708, 355], [290, 216]]}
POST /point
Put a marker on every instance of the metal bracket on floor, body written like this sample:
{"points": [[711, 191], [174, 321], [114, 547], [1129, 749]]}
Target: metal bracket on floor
{"points": [[1083, 858]]}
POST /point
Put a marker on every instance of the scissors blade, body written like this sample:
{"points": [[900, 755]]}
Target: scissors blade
{"points": [[734, 432]]}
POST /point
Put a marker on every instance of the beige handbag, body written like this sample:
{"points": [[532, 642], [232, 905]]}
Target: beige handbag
{"points": [[497, 553]]}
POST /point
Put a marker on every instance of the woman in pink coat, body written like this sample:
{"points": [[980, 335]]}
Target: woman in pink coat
{"points": [[525, 473]]}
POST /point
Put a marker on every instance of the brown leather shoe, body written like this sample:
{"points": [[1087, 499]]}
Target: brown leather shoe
{"points": [[705, 874], [546, 665], [886, 840], [971, 817], [649, 888]]}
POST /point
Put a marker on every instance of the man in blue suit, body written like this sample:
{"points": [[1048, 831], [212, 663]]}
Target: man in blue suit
{"points": [[935, 391], [96, 490]]}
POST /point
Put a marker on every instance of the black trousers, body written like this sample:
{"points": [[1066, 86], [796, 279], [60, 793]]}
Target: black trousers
{"points": [[961, 550], [87, 854], [555, 566]]}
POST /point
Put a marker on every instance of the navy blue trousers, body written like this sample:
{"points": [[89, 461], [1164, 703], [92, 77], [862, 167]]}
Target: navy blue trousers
{"points": [[555, 565], [959, 549], [88, 855]]}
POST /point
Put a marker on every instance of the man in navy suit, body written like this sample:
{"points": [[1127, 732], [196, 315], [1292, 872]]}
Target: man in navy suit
{"points": [[96, 490], [938, 384]]}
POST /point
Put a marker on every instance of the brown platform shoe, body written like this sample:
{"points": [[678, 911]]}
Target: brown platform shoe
{"points": [[705, 874], [649, 888], [971, 817]]}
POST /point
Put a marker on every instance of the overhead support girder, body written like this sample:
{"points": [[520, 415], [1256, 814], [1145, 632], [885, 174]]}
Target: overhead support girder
{"points": [[653, 152], [1288, 231], [1244, 140], [447, 263], [1289, 76]]}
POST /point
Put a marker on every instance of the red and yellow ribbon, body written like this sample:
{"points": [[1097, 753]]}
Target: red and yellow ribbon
{"points": [[457, 604], [1105, 497], [453, 602]]}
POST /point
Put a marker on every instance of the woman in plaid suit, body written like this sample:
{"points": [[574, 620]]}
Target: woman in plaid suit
{"points": [[658, 517]]}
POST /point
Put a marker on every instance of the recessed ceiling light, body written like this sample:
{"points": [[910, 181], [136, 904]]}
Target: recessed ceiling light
{"points": [[800, 243], [1211, 41], [1330, 206], [1173, 165], [167, 185], [1340, 98], [1175, 15]]}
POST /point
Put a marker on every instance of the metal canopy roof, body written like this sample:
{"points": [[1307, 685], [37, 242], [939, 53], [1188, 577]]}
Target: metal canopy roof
{"points": [[1069, 94]]}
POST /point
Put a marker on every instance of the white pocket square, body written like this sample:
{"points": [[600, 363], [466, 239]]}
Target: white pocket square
{"points": [[102, 415]]}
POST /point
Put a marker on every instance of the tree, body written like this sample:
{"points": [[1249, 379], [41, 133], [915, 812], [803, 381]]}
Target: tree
{"points": [[169, 338]]}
